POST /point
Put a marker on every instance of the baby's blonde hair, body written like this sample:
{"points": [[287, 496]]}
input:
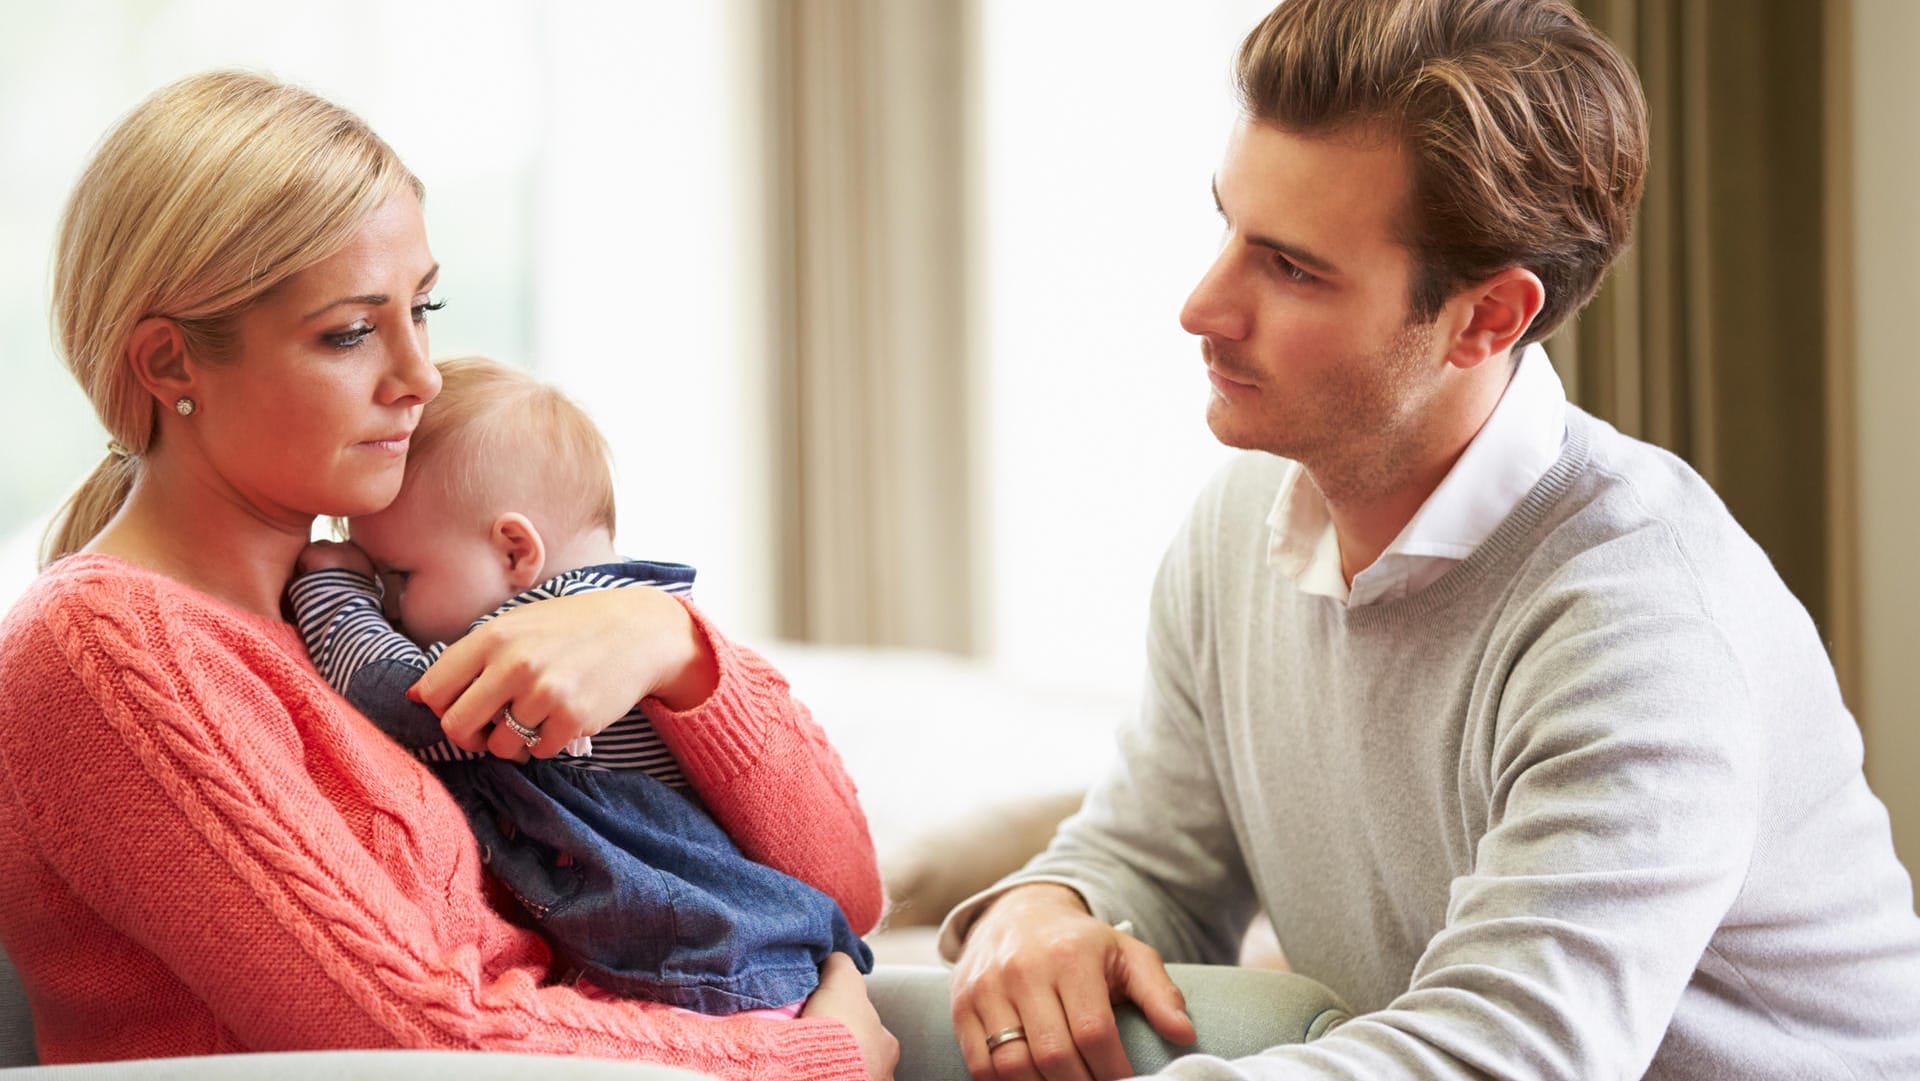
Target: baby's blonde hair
{"points": [[496, 439], [208, 194]]}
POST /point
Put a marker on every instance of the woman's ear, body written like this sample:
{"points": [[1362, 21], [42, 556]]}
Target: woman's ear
{"points": [[522, 553], [157, 352], [1501, 309]]}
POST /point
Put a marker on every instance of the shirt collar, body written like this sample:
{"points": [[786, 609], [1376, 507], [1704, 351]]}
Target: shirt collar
{"points": [[1515, 447]]}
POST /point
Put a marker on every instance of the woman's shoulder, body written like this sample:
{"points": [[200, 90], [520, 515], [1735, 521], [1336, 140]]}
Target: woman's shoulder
{"points": [[85, 590], [92, 608], [83, 605]]}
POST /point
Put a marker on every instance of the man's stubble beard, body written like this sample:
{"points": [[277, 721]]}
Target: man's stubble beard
{"points": [[1367, 425]]}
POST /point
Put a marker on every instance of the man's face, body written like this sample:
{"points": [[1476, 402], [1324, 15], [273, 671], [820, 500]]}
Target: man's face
{"points": [[1303, 318]]}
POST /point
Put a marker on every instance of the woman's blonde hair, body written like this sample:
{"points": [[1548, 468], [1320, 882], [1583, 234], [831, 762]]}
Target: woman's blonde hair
{"points": [[207, 195]]}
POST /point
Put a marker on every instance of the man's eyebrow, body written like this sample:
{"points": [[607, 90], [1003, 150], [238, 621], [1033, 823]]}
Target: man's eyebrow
{"points": [[1295, 252], [374, 300]]}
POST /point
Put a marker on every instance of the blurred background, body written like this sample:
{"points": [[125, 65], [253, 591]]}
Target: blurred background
{"points": [[877, 299]]}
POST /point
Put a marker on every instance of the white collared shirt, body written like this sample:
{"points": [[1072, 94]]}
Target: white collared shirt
{"points": [[1513, 450]]}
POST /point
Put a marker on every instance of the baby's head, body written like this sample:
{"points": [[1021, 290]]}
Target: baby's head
{"points": [[507, 483]]}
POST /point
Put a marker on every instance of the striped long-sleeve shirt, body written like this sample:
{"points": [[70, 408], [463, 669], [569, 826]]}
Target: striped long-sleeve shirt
{"points": [[371, 664]]}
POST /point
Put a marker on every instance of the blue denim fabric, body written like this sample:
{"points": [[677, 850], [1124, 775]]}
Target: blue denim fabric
{"points": [[651, 899], [379, 690], [654, 900]]}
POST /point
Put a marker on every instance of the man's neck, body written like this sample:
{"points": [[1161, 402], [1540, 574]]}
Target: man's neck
{"points": [[1366, 526], [1369, 508]]}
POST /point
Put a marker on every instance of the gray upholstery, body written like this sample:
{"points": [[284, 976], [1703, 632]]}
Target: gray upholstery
{"points": [[1238, 1012], [16, 1023]]}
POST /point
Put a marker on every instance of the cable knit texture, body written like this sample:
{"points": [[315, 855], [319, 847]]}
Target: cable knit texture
{"points": [[206, 850]]}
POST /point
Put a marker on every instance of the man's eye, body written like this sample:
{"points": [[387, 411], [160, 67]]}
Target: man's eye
{"points": [[1292, 270]]}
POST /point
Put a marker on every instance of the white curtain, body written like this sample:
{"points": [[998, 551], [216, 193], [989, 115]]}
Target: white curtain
{"points": [[867, 106]]}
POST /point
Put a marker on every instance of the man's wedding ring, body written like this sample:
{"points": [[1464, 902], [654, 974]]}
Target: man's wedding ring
{"points": [[1005, 1036]]}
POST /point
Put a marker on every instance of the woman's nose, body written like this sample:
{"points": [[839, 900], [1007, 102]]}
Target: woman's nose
{"points": [[414, 375]]}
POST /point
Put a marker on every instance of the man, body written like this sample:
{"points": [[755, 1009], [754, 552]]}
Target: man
{"points": [[1515, 736]]}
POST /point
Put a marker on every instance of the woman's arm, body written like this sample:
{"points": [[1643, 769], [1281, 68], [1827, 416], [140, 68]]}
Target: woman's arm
{"points": [[764, 769], [295, 872], [772, 780]]}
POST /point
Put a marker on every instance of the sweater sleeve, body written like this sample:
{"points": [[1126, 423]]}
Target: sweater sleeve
{"points": [[772, 780], [1153, 843], [304, 879]]}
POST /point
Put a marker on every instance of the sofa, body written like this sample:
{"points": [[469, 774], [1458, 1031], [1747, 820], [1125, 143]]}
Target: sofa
{"points": [[1238, 1012]]}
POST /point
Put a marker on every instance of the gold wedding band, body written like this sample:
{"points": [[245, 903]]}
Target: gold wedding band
{"points": [[1006, 1036]]}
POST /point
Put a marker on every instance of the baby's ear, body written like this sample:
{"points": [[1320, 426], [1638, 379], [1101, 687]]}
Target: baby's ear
{"points": [[522, 554]]}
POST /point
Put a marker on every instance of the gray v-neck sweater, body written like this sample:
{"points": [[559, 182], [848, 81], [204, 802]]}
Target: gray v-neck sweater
{"points": [[1589, 806]]}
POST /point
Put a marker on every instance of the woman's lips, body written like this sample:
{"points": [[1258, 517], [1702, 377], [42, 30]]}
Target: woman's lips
{"points": [[390, 444]]}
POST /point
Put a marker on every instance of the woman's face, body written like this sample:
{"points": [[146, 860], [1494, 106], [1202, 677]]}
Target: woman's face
{"points": [[312, 413]]}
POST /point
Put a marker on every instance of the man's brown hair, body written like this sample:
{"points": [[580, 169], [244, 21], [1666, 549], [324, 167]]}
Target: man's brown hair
{"points": [[1526, 129]]}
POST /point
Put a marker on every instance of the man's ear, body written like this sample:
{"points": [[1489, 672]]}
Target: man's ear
{"points": [[1499, 310], [521, 551], [157, 353]]}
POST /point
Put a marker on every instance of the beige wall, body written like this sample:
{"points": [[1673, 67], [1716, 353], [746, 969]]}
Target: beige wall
{"points": [[1885, 191]]}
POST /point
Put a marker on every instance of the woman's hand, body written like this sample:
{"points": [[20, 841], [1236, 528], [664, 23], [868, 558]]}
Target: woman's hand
{"points": [[568, 667], [842, 996]]}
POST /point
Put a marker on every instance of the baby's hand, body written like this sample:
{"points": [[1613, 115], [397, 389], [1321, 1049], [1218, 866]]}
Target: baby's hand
{"points": [[332, 555]]}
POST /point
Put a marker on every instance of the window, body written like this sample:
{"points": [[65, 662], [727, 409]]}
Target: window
{"points": [[1102, 126], [585, 170]]}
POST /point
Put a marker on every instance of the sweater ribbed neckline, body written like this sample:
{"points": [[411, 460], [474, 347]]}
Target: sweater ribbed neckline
{"points": [[1506, 540]]}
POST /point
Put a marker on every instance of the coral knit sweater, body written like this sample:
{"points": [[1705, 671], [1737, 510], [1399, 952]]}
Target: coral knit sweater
{"points": [[203, 849]]}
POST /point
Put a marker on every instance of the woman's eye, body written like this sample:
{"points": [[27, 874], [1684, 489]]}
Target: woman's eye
{"points": [[350, 337], [420, 310]]}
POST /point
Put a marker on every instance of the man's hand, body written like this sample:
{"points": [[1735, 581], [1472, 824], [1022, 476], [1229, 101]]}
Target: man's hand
{"points": [[842, 996], [331, 555], [1038, 961]]}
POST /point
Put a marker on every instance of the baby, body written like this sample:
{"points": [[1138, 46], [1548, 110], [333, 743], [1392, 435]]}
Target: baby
{"points": [[507, 500]]}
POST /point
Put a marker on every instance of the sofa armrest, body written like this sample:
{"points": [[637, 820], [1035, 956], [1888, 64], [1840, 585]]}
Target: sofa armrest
{"points": [[1238, 1012]]}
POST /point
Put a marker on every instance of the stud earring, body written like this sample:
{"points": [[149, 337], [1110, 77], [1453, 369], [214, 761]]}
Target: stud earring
{"points": [[184, 407]]}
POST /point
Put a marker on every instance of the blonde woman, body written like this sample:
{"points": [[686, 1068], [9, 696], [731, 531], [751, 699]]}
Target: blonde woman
{"points": [[205, 849]]}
